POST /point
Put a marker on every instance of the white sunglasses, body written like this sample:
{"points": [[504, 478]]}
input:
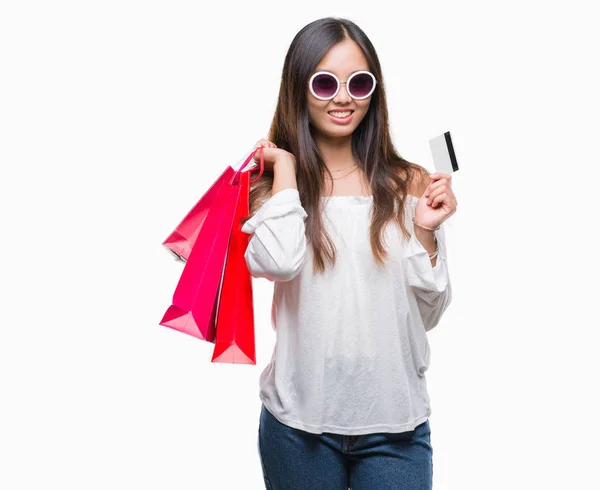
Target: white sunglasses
{"points": [[325, 85]]}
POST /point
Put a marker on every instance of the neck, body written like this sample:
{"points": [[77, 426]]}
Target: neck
{"points": [[336, 152]]}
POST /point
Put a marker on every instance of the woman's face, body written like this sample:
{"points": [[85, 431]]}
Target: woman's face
{"points": [[343, 59]]}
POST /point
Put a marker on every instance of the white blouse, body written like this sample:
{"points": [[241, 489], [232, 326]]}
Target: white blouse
{"points": [[351, 347]]}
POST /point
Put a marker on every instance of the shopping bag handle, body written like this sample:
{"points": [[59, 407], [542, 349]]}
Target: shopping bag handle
{"points": [[262, 164]]}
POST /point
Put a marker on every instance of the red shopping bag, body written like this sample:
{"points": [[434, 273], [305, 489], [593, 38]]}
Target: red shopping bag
{"points": [[182, 239], [194, 307], [235, 320]]}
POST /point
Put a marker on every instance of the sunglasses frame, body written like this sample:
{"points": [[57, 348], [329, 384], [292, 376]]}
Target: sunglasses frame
{"points": [[339, 84]]}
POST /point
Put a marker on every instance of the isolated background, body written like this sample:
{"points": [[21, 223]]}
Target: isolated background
{"points": [[115, 117]]}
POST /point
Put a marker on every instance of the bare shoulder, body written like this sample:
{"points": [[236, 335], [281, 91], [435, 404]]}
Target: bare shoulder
{"points": [[418, 181]]}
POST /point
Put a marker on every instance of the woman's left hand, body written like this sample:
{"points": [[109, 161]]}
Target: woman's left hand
{"points": [[437, 203]]}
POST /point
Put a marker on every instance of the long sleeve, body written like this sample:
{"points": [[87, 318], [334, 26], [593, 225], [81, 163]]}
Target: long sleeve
{"points": [[277, 247], [431, 285]]}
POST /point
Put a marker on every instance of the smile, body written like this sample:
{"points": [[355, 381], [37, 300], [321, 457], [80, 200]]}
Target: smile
{"points": [[340, 114]]}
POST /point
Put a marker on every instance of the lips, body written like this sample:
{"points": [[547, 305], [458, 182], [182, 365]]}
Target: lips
{"points": [[340, 114], [345, 119]]}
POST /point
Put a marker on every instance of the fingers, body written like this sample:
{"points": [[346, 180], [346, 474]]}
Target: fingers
{"points": [[432, 194], [442, 194], [437, 199], [265, 142], [438, 180], [439, 175], [437, 189]]}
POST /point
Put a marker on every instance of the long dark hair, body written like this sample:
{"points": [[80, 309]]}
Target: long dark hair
{"points": [[389, 175]]}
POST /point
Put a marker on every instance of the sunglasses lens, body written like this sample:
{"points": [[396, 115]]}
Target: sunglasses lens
{"points": [[324, 85], [361, 85]]}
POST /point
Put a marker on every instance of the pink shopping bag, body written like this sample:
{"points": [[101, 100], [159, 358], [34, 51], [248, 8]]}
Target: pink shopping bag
{"points": [[194, 307], [182, 239]]}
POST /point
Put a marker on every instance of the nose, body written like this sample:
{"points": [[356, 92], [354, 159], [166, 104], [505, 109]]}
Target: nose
{"points": [[342, 96]]}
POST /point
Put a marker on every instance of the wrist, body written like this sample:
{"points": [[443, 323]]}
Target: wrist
{"points": [[428, 239], [422, 227], [285, 161], [284, 171]]}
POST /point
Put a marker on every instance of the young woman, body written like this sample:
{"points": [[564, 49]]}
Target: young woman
{"points": [[350, 233]]}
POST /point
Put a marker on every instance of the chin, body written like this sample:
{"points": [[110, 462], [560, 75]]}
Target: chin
{"points": [[332, 129]]}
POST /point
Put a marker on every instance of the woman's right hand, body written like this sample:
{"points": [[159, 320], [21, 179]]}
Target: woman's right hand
{"points": [[272, 155]]}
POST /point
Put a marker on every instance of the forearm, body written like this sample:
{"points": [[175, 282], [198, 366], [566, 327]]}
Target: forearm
{"points": [[429, 278], [284, 175], [427, 239]]}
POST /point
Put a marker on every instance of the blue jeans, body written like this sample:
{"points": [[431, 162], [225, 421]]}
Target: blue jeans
{"points": [[293, 459]]}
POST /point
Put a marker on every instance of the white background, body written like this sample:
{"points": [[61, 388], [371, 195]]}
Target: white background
{"points": [[116, 116]]}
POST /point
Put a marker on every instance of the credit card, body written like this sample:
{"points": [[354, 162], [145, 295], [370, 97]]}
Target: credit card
{"points": [[442, 150]]}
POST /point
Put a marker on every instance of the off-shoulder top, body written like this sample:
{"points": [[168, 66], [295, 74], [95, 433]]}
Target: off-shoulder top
{"points": [[351, 347]]}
